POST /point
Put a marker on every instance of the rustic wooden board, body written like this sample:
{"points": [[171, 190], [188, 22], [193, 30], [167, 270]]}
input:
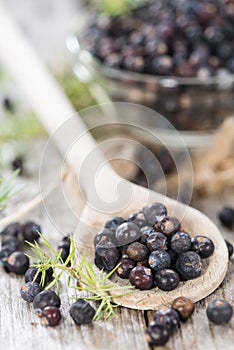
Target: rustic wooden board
{"points": [[21, 329]]}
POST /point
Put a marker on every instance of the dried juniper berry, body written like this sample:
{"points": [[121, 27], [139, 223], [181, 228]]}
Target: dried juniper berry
{"points": [[12, 229], [156, 241], [46, 298], [30, 231], [106, 255], [167, 317], [109, 234], [189, 265], [18, 164], [219, 311], [30, 275], [18, 263], [50, 316], [126, 233], [166, 279], [64, 248], [145, 231], [141, 277], [180, 242], [29, 291], [229, 247], [157, 335], [155, 212], [184, 307], [226, 216], [137, 251], [159, 259], [173, 257], [139, 219], [203, 246], [10, 242], [82, 312], [168, 225], [114, 223], [125, 266], [5, 253]]}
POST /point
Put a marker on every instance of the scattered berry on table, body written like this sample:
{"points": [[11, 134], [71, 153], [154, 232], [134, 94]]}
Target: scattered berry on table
{"points": [[18, 164], [141, 277], [46, 298], [106, 255], [159, 259], [203, 246], [168, 317], [29, 291], [126, 233], [137, 251], [30, 275], [114, 223], [184, 307], [219, 311], [226, 216], [156, 241], [64, 247], [12, 229], [166, 279], [157, 335], [229, 247], [126, 265], [18, 263], [82, 312], [180, 242], [50, 316], [189, 265], [168, 225], [30, 231], [11, 242]]}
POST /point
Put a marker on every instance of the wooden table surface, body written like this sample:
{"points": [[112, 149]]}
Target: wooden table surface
{"points": [[21, 329]]}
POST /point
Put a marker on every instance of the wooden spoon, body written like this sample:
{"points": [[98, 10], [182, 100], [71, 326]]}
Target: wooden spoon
{"points": [[101, 184]]}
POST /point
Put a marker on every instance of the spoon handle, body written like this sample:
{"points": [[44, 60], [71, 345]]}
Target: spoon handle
{"points": [[47, 99]]}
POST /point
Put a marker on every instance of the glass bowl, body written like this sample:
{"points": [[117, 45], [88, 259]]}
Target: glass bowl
{"points": [[195, 106]]}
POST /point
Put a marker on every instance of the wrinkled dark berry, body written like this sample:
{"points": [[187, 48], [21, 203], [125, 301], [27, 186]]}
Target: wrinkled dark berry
{"points": [[189, 265], [180, 242], [12, 229], [126, 233], [29, 291], [156, 241], [155, 212], [141, 277], [10, 242], [168, 225], [184, 307], [82, 312], [18, 164], [139, 219], [18, 263], [159, 259], [219, 311], [30, 231], [230, 248], [137, 251], [144, 263], [145, 231], [126, 265], [203, 246], [50, 316], [46, 298], [30, 275], [114, 223], [167, 317], [106, 255], [226, 216], [109, 234], [157, 335], [166, 279]]}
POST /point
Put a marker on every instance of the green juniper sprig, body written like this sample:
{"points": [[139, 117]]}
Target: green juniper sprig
{"points": [[96, 285], [116, 7], [7, 190]]}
